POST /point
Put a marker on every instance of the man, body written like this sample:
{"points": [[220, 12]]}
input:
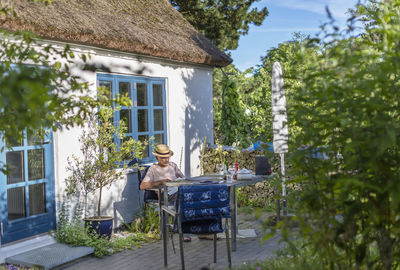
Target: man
{"points": [[163, 171]]}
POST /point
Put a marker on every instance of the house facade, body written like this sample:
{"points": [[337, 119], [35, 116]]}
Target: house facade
{"points": [[144, 49]]}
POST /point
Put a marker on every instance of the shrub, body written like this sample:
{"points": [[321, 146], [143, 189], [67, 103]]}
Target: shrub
{"points": [[349, 109], [71, 231], [148, 223]]}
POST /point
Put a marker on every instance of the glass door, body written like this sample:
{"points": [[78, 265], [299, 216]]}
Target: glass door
{"points": [[27, 191]]}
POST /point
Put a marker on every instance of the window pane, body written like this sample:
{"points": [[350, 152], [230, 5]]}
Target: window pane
{"points": [[16, 203], [158, 139], [124, 89], [15, 163], [34, 138], [141, 94], [158, 120], [125, 116], [35, 164], [37, 199], [157, 95], [143, 121], [108, 85], [143, 138]]}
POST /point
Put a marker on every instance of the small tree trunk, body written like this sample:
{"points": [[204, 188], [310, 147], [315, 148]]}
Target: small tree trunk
{"points": [[99, 203], [85, 208]]}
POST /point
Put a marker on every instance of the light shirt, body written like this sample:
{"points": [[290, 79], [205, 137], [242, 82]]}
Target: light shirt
{"points": [[157, 173]]}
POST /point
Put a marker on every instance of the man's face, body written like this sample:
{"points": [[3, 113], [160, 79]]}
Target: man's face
{"points": [[163, 161]]}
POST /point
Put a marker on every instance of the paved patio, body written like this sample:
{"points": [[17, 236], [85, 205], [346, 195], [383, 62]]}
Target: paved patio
{"points": [[198, 253]]}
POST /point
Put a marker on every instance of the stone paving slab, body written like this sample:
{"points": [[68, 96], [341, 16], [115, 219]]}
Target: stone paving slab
{"points": [[50, 256], [198, 254]]}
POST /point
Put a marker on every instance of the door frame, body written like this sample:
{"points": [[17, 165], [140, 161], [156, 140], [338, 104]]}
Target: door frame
{"points": [[31, 225]]}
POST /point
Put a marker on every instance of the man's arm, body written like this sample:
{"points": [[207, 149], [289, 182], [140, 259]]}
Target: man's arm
{"points": [[178, 172], [155, 184]]}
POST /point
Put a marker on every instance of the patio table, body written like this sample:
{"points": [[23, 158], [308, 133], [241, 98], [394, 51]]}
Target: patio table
{"points": [[216, 179]]}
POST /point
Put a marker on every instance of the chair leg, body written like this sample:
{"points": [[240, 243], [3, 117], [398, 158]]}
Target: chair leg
{"points": [[215, 247], [181, 241], [164, 237], [160, 219], [228, 245]]}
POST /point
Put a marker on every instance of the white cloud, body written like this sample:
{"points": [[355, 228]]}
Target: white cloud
{"points": [[298, 29], [338, 8]]}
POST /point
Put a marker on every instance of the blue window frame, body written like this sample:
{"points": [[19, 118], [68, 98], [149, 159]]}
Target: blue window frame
{"points": [[146, 118]]}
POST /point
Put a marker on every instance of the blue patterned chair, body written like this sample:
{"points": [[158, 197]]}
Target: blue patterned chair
{"points": [[199, 209]]}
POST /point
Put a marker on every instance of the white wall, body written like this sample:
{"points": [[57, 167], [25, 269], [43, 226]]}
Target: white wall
{"points": [[189, 115]]}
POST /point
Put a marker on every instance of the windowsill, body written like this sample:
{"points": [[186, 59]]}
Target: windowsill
{"points": [[131, 170], [135, 170], [147, 163]]}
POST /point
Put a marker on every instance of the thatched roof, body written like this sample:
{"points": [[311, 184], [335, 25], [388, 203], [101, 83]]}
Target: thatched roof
{"points": [[145, 27]]}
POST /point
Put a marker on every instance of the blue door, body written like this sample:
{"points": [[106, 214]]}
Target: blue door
{"points": [[27, 191]]}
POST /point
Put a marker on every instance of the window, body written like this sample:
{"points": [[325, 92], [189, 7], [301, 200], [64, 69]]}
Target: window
{"points": [[146, 117]]}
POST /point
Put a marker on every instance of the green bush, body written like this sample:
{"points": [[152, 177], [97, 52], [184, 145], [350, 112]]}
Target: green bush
{"points": [[297, 255], [348, 109], [71, 231], [148, 223]]}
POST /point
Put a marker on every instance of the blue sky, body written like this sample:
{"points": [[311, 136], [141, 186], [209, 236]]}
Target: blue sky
{"points": [[286, 17]]}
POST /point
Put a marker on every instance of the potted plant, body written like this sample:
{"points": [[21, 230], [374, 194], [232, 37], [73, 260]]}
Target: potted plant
{"points": [[102, 162]]}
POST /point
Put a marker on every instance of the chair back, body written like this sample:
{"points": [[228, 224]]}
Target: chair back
{"points": [[202, 207], [149, 195]]}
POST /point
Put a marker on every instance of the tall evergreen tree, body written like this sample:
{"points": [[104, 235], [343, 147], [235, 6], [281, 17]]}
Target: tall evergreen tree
{"points": [[221, 21]]}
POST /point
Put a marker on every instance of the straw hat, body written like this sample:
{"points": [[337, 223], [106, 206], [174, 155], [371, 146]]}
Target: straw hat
{"points": [[162, 150]]}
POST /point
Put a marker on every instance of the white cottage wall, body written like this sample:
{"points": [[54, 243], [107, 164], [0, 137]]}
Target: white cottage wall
{"points": [[189, 120]]}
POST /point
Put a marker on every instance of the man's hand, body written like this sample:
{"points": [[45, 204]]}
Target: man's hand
{"points": [[156, 184]]}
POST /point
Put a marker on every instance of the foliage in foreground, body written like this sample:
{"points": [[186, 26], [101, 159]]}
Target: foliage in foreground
{"points": [[38, 88], [348, 108], [295, 256]]}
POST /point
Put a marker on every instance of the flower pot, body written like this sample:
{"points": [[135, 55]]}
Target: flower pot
{"points": [[102, 226]]}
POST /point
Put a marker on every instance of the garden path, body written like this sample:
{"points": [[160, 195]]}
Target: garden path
{"points": [[198, 253]]}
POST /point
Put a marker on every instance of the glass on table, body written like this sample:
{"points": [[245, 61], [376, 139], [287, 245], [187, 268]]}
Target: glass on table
{"points": [[231, 172], [220, 168]]}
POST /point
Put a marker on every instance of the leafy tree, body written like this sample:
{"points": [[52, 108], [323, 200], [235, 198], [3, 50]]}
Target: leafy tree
{"points": [[347, 107], [254, 93], [231, 118], [221, 21], [258, 96]]}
